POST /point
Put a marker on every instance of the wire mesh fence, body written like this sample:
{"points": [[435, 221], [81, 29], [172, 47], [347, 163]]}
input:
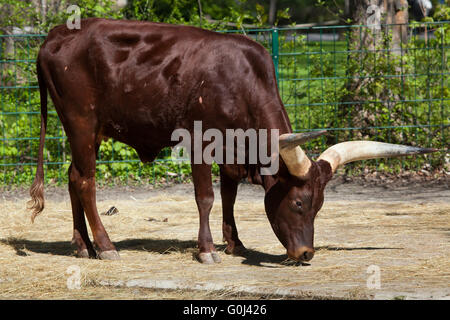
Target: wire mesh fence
{"points": [[355, 81]]}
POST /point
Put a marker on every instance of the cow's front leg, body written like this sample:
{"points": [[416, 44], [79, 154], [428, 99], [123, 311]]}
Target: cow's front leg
{"points": [[228, 190], [204, 196]]}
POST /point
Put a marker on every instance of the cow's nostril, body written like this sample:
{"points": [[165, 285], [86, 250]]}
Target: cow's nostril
{"points": [[308, 255]]}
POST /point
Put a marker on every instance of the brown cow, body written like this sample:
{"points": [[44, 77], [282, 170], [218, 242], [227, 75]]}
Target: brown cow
{"points": [[139, 81]]}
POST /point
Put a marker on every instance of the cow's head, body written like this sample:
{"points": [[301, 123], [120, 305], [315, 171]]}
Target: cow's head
{"points": [[293, 201]]}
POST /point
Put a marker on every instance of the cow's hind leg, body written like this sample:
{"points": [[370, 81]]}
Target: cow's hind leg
{"points": [[228, 190], [82, 181], [204, 196], [80, 238]]}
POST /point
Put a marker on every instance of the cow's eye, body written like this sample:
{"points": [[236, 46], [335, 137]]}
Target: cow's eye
{"points": [[296, 206]]}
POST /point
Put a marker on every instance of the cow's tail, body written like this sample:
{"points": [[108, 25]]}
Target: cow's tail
{"points": [[36, 204]]}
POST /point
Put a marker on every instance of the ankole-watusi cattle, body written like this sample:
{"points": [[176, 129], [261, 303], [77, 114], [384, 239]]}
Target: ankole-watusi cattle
{"points": [[137, 82]]}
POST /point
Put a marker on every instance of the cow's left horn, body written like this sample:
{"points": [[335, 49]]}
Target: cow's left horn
{"points": [[349, 151], [293, 156]]}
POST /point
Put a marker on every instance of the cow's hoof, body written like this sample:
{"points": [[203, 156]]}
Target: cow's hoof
{"points": [[236, 251], [205, 258], [109, 255], [84, 253], [216, 257]]}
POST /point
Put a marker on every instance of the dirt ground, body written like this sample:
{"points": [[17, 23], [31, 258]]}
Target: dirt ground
{"points": [[394, 235]]}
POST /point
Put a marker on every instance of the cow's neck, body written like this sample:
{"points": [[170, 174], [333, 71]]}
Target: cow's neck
{"points": [[269, 181], [277, 119]]}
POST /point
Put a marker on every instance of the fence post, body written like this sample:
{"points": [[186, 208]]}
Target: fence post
{"points": [[275, 50]]}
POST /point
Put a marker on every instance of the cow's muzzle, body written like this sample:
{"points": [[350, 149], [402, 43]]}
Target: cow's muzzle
{"points": [[301, 254]]}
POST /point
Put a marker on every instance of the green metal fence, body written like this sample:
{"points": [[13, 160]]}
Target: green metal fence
{"points": [[353, 80]]}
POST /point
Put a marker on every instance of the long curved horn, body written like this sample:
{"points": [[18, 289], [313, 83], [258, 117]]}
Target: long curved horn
{"points": [[349, 151], [293, 156]]}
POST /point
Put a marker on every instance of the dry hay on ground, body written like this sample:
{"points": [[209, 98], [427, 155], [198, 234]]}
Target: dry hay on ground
{"points": [[156, 236]]}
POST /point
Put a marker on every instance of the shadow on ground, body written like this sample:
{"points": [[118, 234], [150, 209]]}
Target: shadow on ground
{"points": [[166, 246]]}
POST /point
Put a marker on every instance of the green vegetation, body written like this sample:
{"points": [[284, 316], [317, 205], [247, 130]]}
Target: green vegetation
{"points": [[403, 98], [400, 98]]}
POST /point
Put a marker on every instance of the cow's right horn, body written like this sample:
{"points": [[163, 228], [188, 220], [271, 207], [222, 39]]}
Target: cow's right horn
{"points": [[349, 151], [293, 156]]}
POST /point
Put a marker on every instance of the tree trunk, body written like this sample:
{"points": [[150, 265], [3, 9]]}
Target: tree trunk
{"points": [[44, 10], [397, 14], [375, 49], [374, 14], [347, 8], [386, 24], [272, 12], [200, 12]]}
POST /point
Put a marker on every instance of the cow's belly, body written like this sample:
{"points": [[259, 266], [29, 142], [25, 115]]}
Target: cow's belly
{"points": [[148, 138]]}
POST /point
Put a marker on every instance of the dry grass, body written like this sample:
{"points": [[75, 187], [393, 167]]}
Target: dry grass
{"points": [[409, 241]]}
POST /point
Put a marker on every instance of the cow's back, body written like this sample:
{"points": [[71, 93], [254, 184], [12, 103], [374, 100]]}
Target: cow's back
{"points": [[143, 80]]}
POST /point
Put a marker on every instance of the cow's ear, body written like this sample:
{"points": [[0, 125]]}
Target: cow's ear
{"points": [[325, 171], [269, 182], [283, 174], [283, 180], [274, 195]]}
